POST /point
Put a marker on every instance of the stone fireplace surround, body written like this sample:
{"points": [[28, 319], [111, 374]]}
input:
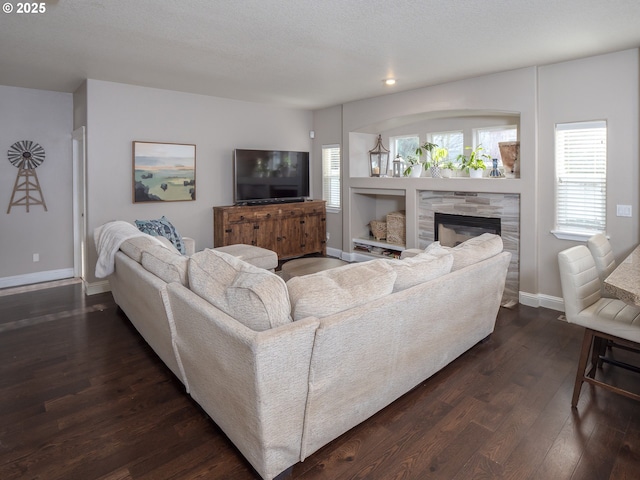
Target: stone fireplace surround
{"points": [[505, 206]]}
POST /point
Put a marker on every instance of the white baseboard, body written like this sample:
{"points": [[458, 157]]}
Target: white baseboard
{"points": [[37, 277], [97, 287], [538, 300], [334, 252]]}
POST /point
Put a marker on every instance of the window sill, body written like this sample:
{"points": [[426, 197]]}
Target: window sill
{"points": [[575, 236]]}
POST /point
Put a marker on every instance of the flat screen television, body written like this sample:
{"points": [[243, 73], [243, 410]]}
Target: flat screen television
{"points": [[270, 176]]}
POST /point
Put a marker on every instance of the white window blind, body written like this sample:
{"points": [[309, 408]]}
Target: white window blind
{"points": [[331, 175], [581, 177]]}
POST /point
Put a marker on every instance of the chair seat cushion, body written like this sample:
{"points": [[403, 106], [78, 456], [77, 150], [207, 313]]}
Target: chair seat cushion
{"points": [[612, 316]]}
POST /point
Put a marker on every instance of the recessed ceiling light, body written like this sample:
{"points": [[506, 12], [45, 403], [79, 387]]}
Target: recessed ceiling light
{"points": [[389, 81]]}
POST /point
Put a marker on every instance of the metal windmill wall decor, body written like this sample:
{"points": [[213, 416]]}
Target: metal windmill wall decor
{"points": [[26, 156]]}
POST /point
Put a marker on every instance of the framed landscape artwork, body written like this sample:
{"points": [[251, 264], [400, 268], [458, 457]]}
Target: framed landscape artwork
{"points": [[164, 172]]}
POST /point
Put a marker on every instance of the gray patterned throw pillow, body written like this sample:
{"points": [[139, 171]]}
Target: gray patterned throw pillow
{"points": [[163, 228]]}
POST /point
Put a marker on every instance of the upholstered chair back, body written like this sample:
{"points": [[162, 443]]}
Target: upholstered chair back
{"points": [[603, 257], [579, 279]]}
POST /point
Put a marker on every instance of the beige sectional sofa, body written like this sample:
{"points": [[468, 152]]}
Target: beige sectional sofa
{"points": [[284, 368]]}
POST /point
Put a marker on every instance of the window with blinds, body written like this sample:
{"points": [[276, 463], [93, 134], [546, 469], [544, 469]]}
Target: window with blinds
{"points": [[331, 176], [581, 177]]}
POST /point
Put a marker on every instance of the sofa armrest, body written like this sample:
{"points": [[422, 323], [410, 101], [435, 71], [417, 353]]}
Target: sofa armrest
{"points": [[189, 245]]}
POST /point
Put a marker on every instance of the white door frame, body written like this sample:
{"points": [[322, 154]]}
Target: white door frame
{"points": [[79, 202]]}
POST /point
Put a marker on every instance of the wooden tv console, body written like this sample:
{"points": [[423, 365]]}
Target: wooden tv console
{"points": [[289, 229]]}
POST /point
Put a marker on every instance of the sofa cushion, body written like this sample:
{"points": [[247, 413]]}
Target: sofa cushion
{"points": [[421, 268], [164, 228], [133, 247], [253, 296], [335, 290], [472, 251], [166, 264]]}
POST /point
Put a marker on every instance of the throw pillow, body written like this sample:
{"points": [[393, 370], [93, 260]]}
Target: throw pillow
{"points": [[335, 290], [419, 269], [253, 296], [163, 228], [472, 251]]}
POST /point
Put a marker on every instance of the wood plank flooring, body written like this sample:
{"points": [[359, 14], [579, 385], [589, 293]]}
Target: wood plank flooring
{"points": [[83, 397]]}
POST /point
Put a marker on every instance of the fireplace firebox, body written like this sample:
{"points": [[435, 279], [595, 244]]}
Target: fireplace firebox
{"points": [[451, 230]]}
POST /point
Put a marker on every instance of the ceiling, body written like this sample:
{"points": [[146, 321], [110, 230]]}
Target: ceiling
{"points": [[301, 53]]}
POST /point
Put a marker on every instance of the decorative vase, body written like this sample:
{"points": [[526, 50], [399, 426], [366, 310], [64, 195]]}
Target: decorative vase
{"points": [[510, 153], [475, 172], [435, 172], [495, 171], [447, 173], [416, 170]]}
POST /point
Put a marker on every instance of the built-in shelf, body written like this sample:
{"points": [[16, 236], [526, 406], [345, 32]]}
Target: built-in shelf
{"points": [[377, 248]]}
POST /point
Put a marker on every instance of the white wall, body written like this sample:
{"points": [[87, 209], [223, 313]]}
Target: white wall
{"points": [[118, 114], [602, 87], [598, 88], [45, 118], [328, 131], [508, 92]]}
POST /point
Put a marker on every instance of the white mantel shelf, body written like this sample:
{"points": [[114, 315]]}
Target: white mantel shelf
{"points": [[465, 184]]}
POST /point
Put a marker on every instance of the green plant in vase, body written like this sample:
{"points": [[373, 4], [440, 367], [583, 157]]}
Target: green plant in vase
{"points": [[414, 166], [438, 154], [475, 163], [447, 168]]}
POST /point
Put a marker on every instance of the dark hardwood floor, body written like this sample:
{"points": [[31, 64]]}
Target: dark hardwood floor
{"points": [[83, 397]]}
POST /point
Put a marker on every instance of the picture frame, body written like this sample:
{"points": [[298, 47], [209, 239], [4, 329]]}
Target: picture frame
{"points": [[163, 172]]}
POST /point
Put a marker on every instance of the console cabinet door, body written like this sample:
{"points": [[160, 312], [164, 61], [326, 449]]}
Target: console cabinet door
{"points": [[315, 233], [290, 236], [240, 233], [265, 235]]}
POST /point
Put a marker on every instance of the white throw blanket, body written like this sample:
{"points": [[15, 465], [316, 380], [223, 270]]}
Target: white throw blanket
{"points": [[108, 239]]}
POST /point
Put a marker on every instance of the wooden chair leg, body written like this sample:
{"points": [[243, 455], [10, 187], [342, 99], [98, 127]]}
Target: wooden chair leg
{"points": [[587, 342], [598, 351]]}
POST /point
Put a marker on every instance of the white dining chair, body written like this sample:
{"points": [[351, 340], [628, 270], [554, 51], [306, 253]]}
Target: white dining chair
{"points": [[604, 319], [605, 261]]}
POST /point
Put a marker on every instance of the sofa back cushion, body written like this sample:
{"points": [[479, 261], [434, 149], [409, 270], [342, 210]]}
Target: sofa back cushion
{"points": [[134, 247], [472, 251], [253, 296], [335, 290], [166, 264], [421, 268]]}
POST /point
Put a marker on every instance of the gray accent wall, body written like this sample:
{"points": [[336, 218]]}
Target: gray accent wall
{"points": [[45, 118], [118, 114]]}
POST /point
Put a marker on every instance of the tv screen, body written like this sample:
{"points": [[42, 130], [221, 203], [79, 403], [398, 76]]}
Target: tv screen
{"points": [[270, 176]]}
